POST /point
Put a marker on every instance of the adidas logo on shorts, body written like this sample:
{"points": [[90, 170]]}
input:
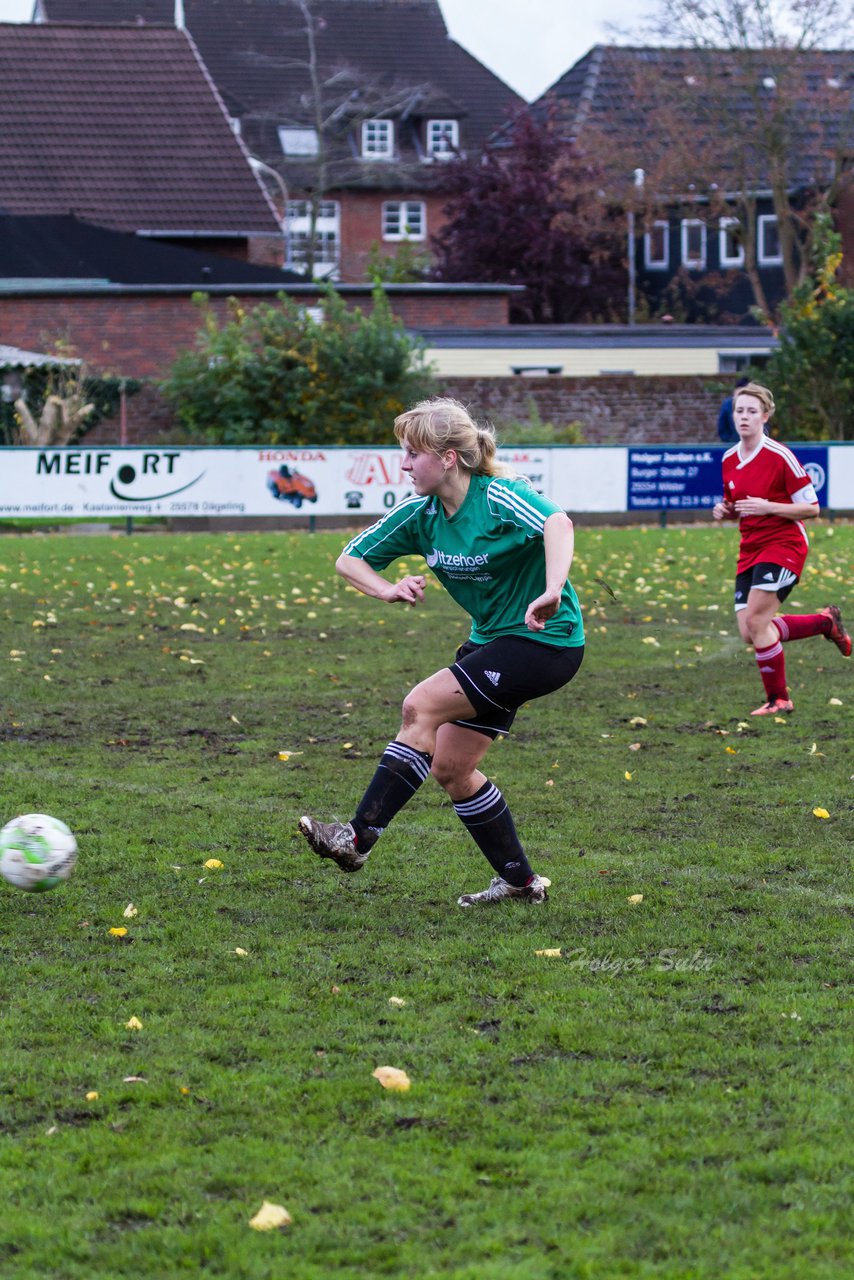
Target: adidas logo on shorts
{"points": [[493, 676]]}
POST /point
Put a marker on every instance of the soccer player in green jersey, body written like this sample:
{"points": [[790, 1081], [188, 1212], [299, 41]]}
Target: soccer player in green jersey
{"points": [[503, 552]]}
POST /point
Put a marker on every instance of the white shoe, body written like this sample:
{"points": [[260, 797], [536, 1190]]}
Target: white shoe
{"points": [[335, 840], [499, 889]]}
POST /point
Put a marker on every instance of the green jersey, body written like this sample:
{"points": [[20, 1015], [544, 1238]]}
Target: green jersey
{"points": [[489, 556]]}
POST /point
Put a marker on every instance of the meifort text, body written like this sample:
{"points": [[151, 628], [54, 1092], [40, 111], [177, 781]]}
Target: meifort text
{"points": [[88, 463]]}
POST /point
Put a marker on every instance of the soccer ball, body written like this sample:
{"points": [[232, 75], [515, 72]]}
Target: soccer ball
{"points": [[37, 852]]}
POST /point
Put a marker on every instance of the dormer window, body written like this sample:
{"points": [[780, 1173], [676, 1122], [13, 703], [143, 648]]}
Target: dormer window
{"points": [[377, 139], [443, 139], [297, 140]]}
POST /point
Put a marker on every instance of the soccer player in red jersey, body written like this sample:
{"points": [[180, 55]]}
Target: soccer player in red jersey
{"points": [[770, 494]]}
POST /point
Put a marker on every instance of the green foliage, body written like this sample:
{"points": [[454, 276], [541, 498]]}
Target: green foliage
{"points": [[63, 381], [276, 375], [533, 430], [404, 266], [668, 1099], [812, 372]]}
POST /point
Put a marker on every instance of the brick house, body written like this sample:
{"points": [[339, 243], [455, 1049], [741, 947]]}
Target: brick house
{"points": [[122, 127], [677, 128], [353, 112]]}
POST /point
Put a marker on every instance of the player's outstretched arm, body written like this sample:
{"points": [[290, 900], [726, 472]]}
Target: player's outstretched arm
{"points": [[359, 574], [559, 539]]}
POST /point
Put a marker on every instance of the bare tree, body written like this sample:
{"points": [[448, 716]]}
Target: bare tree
{"points": [[333, 99]]}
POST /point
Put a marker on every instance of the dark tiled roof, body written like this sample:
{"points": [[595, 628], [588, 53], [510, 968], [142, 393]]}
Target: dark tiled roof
{"points": [[700, 107], [256, 52], [120, 126], [62, 248]]}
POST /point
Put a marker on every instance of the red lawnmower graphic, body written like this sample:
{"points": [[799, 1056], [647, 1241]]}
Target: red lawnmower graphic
{"points": [[288, 485]]}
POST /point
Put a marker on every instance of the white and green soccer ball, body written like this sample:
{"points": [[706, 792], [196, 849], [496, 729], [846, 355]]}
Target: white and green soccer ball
{"points": [[37, 852]]}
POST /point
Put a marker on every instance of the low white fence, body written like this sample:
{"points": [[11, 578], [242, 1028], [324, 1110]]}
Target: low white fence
{"points": [[106, 483]]}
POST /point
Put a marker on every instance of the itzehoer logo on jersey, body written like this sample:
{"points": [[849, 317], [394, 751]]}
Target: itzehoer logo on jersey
{"points": [[437, 559]]}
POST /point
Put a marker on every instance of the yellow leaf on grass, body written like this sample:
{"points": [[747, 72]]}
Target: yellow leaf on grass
{"points": [[731, 751], [549, 951], [238, 951], [213, 864], [271, 1217], [820, 813], [92, 1096], [637, 720], [636, 898], [118, 933], [392, 1078], [133, 1024], [397, 1001], [130, 911], [286, 755], [650, 640], [835, 702], [627, 776]]}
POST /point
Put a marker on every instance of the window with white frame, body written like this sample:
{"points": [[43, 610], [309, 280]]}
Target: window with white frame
{"points": [[298, 141], [404, 220], [443, 139], [730, 248], [769, 251], [327, 236], [656, 247], [693, 244], [377, 139]]}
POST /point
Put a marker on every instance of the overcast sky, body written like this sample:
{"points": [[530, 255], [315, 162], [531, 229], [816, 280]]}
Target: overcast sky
{"points": [[529, 43]]}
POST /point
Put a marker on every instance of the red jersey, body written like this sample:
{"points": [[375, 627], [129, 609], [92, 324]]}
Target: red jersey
{"points": [[772, 471]]}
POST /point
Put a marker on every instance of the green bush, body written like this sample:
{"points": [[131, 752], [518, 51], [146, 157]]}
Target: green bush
{"points": [[277, 375], [812, 372], [533, 430]]}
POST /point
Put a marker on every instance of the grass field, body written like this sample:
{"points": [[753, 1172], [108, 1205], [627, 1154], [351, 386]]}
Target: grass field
{"points": [[668, 1097]]}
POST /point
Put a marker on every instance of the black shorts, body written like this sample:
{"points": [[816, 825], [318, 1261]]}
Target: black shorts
{"points": [[764, 577], [498, 677]]}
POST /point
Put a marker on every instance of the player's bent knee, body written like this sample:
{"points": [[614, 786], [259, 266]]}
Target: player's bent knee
{"points": [[416, 710], [444, 773]]}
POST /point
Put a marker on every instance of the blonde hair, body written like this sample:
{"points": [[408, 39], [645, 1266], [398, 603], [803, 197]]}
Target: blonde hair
{"points": [[760, 393], [433, 426]]}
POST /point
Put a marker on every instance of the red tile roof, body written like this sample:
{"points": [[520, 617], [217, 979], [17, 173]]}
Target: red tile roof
{"points": [[122, 127], [256, 52]]}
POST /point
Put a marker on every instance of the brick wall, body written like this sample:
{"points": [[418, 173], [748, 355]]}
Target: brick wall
{"points": [[138, 335], [611, 410], [361, 226]]}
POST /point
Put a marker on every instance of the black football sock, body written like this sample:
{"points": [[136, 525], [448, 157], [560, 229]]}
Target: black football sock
{"points": [[399, 774], [489, 822]]}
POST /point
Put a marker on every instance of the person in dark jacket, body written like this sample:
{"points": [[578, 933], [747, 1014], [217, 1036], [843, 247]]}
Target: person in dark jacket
{"points": [[726, 421]]}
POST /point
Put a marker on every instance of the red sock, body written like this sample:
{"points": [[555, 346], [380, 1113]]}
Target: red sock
{"points": [[772, 668], [798, 626]]}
